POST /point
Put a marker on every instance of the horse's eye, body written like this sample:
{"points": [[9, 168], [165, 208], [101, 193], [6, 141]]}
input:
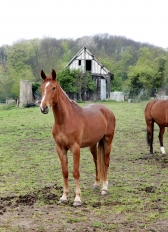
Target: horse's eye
{"points": [[53, 88]]}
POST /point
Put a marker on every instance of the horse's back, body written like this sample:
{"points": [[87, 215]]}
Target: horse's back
{"points": [[157, 110], [97, 121], [98, 111]]}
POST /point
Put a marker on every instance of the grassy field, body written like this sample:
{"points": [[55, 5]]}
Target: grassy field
{"points": [[31, 179]]}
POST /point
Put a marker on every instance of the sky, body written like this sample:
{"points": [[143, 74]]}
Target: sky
{"points": [[140, 20]]}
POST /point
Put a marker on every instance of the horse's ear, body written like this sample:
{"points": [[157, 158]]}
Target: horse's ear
{"points": [[43, 75], [53, 74]]}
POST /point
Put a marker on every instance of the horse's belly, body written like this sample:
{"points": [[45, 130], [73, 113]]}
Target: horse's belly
{"points": [[90, 142], [94, 127], [160, 116], [92, 136]]}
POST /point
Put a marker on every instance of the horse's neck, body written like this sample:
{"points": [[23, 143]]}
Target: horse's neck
{"points": [[62, 109]]}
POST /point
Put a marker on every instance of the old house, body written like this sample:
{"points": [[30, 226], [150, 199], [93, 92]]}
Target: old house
{"points": [[85, 61]]}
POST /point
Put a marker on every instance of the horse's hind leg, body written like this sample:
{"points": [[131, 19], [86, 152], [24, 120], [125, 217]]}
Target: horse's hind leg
{"points": [[162, 130], [93, 150], [150, 128]]}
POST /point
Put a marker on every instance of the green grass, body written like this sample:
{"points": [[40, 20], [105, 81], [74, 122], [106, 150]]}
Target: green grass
{"points": [[138, 187]]}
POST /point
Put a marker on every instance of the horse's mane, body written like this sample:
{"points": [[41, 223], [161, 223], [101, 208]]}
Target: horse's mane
{"points": [[67, 96]]}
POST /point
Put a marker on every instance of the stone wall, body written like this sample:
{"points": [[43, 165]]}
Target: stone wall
{"points": [[25, 92]]}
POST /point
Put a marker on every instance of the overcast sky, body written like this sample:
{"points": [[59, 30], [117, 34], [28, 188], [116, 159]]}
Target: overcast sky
{"points": [[140, 20]]}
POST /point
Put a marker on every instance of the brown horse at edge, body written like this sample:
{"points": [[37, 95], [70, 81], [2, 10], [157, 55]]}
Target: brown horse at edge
{"points": [[77, 127], [156, 111]]}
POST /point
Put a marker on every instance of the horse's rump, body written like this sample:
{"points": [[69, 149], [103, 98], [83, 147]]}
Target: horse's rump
{"points": [[97, 121], [156, 111]]}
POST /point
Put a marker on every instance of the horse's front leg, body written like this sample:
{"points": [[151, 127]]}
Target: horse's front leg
{"points": [[162, 130], [75, 149], [62, 153]]}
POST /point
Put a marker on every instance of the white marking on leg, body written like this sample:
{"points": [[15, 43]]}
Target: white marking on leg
{"points": [[64, 197], [77, 198], [162, 150], [78, 192], [96, 184], [105, 188], [47, 84]]}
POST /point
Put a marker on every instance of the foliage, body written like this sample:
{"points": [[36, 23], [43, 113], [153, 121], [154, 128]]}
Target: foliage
{"points": [[5, 84], [19, 58], [84, 82], [74, 81], [148, 71], [67, 79], [134, 64]]}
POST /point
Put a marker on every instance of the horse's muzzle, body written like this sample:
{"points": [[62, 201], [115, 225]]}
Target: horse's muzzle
{"points": [[44, 110]]}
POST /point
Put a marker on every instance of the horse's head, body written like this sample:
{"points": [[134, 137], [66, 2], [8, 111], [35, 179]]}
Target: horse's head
{"points": [[48, 89]]}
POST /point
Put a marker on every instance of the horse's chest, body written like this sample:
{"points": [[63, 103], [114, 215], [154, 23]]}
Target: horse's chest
{"points": [[65, 136]]}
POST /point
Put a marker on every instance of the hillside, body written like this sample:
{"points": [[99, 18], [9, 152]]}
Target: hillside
{"points": [[134, 64]]}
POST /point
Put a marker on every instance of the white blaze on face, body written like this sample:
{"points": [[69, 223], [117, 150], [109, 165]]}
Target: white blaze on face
{"points": [[47, 84]]}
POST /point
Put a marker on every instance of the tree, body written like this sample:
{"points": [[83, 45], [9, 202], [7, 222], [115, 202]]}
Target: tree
{"points": [[19, 56], [74, 81], [84, 82], [148, 71], [5, 84], [67, 79]]}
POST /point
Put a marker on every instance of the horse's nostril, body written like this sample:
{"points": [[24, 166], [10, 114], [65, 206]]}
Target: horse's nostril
{"points": [[45, 110]]}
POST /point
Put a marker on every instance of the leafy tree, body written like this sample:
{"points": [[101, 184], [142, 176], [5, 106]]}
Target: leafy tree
{"points": [[84, 82], [74, 81], [67, 79], [3, 55], [19, 56], [148, 71], [5, 84], [117, 84], [49, 54], [34, 59], [133, 64]]}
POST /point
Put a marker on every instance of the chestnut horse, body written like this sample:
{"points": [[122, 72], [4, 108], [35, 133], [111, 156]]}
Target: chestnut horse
{"points": [[156, 111], [76, 127]]}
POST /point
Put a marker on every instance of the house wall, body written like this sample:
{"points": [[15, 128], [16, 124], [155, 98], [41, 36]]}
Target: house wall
{"points": [[103, 90], [100, 74], [96, 67]]}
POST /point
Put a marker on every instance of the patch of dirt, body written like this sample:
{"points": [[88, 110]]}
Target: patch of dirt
{"points": [[45, 194]]}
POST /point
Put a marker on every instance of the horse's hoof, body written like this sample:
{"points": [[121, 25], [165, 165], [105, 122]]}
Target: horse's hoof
{"points": [[77, 203], [62, 202], [104, 192], [150, 156], [96, 187], [164, 155]]}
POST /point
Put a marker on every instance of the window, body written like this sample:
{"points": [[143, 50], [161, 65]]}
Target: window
{"points": [[88, 65], [79, 62]]}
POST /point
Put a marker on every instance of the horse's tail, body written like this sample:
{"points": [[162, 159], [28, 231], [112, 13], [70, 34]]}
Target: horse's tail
{"points": [[149, 120], [102, 168], [148, 139]]}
